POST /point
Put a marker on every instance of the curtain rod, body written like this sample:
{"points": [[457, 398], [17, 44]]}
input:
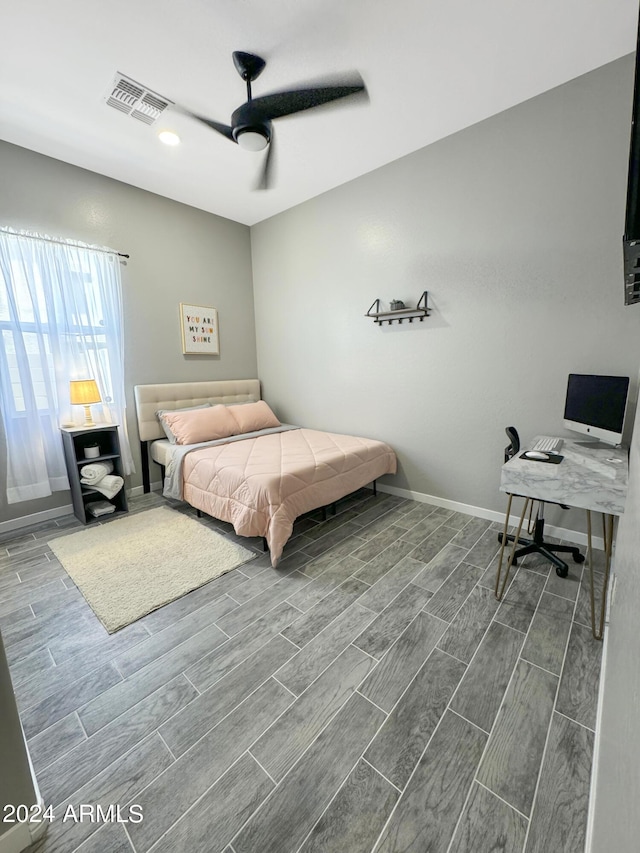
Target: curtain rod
{"points": [[63, 242]]}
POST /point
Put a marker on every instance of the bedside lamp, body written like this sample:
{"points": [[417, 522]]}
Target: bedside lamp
{"points": [[83, 392]]}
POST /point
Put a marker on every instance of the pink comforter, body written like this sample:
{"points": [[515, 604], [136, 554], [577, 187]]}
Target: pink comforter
{"points": [[261, 485]]}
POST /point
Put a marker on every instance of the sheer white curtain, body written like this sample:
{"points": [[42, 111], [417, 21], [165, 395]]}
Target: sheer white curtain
{"points": [[61, 318]]}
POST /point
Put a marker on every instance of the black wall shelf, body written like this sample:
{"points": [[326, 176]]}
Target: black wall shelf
{"points": [[400, 314]]}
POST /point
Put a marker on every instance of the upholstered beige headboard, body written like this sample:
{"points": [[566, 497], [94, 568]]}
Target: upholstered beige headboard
{"points": [[179, 395]]}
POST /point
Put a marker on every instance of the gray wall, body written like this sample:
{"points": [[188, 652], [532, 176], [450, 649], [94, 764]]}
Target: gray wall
{"points": [[616, 819], [16, 784], [178, 254], [514, 227]]}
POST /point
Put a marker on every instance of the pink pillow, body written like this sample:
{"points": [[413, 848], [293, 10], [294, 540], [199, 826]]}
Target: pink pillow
{"points": [[253, 416], [201, 424]]}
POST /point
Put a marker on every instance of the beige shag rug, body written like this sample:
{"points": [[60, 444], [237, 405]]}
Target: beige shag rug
{"points": [[135, 564]]}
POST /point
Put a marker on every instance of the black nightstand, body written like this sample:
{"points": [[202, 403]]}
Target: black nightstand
{"points": [[74, 441]]}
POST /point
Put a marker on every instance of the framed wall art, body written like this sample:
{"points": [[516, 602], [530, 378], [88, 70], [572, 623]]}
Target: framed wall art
{"points": [[199, 325]]}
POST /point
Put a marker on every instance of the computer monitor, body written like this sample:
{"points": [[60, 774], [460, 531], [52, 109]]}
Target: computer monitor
{"points": [[595, 406]]}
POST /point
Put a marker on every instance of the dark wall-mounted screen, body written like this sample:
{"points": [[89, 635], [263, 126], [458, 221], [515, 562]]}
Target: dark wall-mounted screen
{"points": [[631, 239]]}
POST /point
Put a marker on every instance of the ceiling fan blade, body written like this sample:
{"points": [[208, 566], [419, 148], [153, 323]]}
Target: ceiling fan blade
{"points": [[224, 129], [266, 176], [279, 104]]}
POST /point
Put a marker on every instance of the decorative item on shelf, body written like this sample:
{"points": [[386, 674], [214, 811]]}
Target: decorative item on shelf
{"points": [[91, 451], [398, 311], [84, 392]]}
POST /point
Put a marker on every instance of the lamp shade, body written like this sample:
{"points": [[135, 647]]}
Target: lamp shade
{"points": [[83, 392]]}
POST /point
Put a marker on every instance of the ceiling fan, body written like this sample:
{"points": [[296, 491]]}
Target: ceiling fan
{"points": [[252, 123]]}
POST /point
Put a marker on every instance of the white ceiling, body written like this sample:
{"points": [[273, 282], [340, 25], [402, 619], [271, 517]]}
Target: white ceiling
{"points": [[431, 68]]}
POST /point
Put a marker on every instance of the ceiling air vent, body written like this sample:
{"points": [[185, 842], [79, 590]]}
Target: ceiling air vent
{"points": [[136, 100]]}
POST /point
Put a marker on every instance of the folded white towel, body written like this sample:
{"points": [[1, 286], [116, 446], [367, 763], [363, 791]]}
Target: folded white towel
{"points": [[93, 473], [98, 508], [109, 485]]}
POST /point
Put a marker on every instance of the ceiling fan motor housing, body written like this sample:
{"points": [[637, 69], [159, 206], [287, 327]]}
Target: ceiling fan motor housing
{"points": [[251, 124], [249, 130]]}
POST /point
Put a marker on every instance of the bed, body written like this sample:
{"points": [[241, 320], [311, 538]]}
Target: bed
{"points": [[262, 480]]}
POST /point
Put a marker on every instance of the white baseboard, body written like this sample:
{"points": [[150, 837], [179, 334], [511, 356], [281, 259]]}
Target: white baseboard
{"points": [[59, 512], [596, 745], [467, 509], [139, 490], [37, 830], [490, 514], [17, 839], [35, 518], [23, 835]]}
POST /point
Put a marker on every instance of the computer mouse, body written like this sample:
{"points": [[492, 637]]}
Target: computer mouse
{"points": [[536, 454]]}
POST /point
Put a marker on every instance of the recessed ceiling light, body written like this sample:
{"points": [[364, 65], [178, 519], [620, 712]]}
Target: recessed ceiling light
{"points": [[169, 137]]}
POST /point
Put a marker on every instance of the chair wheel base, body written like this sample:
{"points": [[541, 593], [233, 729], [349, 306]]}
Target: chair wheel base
{"points": [[563, 571], [579, 558]]}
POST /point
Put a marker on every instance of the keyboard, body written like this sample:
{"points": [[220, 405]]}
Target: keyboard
{"points": [[548, 444]]}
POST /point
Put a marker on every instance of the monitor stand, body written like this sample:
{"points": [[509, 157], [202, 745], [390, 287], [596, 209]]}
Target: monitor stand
{"points": [[595, 444], [601, 445]]}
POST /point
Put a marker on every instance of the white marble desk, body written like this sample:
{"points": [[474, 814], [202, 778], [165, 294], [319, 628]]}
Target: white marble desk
{"points": [[591, 476], [587, 478]]}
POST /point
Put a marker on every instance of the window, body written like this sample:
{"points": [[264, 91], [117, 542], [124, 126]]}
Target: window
{"points": [[60, 319]]}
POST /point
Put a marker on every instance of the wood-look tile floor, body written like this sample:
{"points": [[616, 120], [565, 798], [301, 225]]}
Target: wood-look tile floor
{"points": [[370, 694]]}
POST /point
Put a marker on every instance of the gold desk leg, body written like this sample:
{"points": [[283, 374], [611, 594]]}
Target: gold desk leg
{"points": [[499, 588], [607, 530]]}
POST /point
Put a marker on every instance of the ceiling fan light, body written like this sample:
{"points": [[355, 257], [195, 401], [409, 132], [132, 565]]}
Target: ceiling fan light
{"points": [[252, 140]]}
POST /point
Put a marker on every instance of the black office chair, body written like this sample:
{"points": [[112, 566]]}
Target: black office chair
{"points": [[537, 545]]}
